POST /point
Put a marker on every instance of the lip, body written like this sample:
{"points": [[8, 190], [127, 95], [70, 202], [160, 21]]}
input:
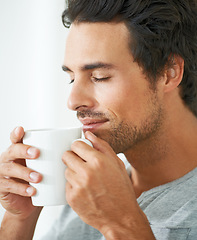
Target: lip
{"points": [[90, 124]]}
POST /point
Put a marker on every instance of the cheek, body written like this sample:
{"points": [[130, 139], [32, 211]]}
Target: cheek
{"points": [[125, 105], [116, 101]]}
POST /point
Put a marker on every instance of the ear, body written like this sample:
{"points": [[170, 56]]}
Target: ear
{"points": [[174, 74]]}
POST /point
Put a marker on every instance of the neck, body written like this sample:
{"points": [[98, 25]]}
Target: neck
{"points": [[167, 156]]}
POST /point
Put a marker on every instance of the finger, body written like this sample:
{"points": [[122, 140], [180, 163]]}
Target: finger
{"points": [[70, 176], [73, 161], [19, 151], [69, 189], [103, 147], [99, 144], [17, 134], [83, 150], [18, 171], [10, 186]]}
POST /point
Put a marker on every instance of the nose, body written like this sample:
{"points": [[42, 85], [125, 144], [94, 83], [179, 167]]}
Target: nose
{"points": [[81, 96]]}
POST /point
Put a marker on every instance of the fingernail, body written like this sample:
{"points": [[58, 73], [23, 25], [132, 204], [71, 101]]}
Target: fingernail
{"points": [[90, 134], [30, 190], [85, 141], [16, 131], [34, 176], [32, 151]]}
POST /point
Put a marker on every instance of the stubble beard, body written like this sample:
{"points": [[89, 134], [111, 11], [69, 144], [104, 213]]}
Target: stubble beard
{"points": [[124, 135]]}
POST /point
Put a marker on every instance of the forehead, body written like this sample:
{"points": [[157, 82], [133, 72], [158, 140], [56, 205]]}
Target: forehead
{"points": [[97, 42]]}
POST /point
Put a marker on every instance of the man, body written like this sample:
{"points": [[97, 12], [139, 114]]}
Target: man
{"points": [[133, 69]]}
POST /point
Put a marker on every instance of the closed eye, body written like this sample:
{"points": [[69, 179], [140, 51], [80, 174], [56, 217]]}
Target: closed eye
{"points": [[94, 78], [100, 79]]}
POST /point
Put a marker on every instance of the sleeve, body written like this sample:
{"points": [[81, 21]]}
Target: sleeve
{"points": [[172, 233], [192, 235]]}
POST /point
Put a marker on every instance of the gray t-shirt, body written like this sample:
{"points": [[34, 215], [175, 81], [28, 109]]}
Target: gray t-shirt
{"points": [[171, 210]]}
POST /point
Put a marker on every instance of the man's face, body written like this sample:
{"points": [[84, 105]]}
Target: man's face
{"points": [[110, 93]]}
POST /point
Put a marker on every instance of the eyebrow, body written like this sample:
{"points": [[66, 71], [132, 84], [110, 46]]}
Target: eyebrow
{"points": [[92, 66]]}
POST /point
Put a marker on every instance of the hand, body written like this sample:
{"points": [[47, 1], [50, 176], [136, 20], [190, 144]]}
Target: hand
{"points": [[15, 192], [98, 186]]}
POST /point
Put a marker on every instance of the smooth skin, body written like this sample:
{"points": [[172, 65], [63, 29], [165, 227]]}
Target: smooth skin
{"points": [[120, 112]]}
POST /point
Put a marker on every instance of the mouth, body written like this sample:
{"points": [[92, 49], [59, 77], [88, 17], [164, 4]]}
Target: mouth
{"points": [[90, 124]]}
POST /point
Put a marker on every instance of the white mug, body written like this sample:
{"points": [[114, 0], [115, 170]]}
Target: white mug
{"points": [[52, 143]]}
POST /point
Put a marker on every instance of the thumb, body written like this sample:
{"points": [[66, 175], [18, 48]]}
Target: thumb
{"points": [[103, 147], [98, 143]]}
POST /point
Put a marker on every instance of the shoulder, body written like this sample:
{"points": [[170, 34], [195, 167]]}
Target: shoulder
{"points": [[174, 204], [172, 208]]}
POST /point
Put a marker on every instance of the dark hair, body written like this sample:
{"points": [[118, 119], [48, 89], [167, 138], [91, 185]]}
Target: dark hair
{"points": [[159, 30]]}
